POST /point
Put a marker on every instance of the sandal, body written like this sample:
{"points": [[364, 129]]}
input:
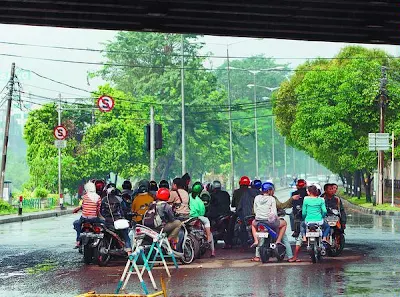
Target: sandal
{"points": [[255, 259], [298, 260], [292, 260]]}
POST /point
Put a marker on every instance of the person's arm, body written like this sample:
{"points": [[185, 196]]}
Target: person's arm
{"points": [[234, 200], [323, 208], [202, 208], [98, 207], [273, 207], [283, 205], [304, 209], [343, 215], [168, 212]]}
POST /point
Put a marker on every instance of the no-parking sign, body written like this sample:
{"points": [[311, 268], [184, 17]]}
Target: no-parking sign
{"points": [[60, 132], [105, 103]]}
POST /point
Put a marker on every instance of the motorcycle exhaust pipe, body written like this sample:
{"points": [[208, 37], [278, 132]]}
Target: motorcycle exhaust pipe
{"points": [[323, 252]]}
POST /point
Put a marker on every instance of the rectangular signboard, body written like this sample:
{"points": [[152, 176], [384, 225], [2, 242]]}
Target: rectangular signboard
{"points": [[60, 143]]}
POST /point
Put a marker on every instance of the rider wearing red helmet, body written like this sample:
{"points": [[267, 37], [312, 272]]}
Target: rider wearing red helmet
{"points": [[164, 212]]}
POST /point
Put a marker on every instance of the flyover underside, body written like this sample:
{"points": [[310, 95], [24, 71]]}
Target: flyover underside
{"points": [[325, 20]]}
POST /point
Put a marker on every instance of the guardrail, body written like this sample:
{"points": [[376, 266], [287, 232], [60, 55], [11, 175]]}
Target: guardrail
{"points": [[39, 202]]}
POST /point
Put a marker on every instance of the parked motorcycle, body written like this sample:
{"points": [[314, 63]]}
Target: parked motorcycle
{"points": [[315, 247], [90, 237], [337, 239], [143, 236], [266, 244], [198, 235]]}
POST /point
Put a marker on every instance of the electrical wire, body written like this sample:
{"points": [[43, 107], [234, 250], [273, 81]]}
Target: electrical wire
{"points": [[179, 55]]}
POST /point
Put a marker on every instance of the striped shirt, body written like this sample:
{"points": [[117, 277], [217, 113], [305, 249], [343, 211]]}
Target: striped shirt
{"points": [[90, 209]]}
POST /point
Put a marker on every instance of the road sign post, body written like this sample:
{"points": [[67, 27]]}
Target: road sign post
{"points": [[379, 142]]}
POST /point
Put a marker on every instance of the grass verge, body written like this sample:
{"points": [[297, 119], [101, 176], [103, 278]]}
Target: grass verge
{"points": [[363, 203], [24, 210]]}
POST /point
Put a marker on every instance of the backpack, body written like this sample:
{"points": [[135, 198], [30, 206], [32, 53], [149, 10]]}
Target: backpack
{"points": [[152, 218]]}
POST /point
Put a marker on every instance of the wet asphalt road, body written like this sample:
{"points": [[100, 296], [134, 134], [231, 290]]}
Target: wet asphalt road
{"points": [[37, 259]]}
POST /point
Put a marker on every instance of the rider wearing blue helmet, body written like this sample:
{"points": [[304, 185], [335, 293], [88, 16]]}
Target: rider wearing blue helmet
{"points": [[256, 184]]}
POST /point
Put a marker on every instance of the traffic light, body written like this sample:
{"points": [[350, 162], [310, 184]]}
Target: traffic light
{"points": [[158, 136]]}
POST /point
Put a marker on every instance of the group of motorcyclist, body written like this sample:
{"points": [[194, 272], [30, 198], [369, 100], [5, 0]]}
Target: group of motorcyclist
{"points": [[161, 206]]}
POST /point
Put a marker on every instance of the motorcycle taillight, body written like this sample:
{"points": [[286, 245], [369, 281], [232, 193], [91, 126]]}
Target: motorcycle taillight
{"points": [[138, 231], [261, 228], [87, 225], [97, 229]]}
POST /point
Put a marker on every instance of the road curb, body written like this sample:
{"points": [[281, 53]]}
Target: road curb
{"points": [[35, 216], [369, 210]]}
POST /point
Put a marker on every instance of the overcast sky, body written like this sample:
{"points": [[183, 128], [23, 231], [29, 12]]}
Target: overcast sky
{"points": [[286, 51]]}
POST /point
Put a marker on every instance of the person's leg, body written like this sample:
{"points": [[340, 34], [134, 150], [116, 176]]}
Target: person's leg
{"points": [[286, 243], [128, 244], [254, 232], [297, 248], [207, 226], [282, 230], [325, 231], [230, 231], [292, 226], [303, 230], [77, 226]]}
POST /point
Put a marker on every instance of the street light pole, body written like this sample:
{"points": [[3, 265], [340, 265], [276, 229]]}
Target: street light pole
{"points": [[183, 110], [230, 122], [255, 121], [284, 140], [273, 146]]}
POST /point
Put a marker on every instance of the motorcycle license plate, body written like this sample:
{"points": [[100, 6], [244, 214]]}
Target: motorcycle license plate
{"points": [[262, 234], [312, 234]]}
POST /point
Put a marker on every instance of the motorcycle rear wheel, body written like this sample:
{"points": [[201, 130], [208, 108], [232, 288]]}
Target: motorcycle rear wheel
{"points": [[196, 246], [87, 254], [188, 252], [313, 256], [102, 258]]}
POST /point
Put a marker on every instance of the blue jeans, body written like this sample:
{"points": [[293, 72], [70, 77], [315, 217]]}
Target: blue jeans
{"points": [[78, 223], [127, 239], [325, 229]]}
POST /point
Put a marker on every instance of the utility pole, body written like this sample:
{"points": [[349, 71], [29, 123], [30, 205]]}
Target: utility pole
{"points": [[392, 168], [60, 193], [294, 160], [285, 172], [7, 130], [230, 122], [152, 143], [383, 100], [273, 146], [183, 109], [255, 122]]}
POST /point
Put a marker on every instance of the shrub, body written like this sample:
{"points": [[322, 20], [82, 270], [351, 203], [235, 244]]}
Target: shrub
{"points": [[5, 207], [41, 192]]}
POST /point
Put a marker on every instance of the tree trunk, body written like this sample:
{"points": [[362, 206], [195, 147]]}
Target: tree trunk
{"points": [[367, 186], [357, 183], [349, 184]]}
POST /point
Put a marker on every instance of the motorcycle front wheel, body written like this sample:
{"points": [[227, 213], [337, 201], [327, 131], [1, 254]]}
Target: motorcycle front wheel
{"points": [[102, 256], [339, 241], [188, 252]]}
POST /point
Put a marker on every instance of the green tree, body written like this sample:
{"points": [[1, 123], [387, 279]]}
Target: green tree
{"points": [[329, 107]]}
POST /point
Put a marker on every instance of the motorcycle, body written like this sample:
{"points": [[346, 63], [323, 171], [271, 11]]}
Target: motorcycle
{"points": [[266, 244], [220, 227], [90, 237], [111, 244], [197, 234], [315, 247], [143, 236], [248, 220], [337, 239]]}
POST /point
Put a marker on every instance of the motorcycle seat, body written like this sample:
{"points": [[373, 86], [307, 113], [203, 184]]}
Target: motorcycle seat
{"points": [[270, 230], [313, 225]]}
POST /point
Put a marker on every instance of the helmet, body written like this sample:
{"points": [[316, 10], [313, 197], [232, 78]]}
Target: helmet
{"points": [[265, 187], [163, 184], [217, 185], [100, 184], [301, 183], [256, 184], [244, 181], [143, 186], [163, 194], [209, 187], [127, 185], [153, 186], [90, 187], [197, 188]]}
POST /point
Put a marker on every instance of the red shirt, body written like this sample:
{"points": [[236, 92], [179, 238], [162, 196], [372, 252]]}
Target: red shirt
{"points": [[90, 209]]}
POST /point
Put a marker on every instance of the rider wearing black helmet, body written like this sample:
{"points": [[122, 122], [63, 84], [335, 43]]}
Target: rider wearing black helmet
{"points": [[127, 193], [220, 201], [163, 184]]}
